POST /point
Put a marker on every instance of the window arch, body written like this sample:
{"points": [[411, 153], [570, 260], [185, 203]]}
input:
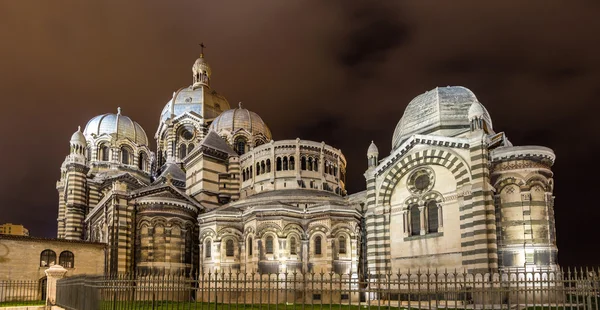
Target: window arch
{"points": [[240, 145], [88, 153], [126, 155], [263, 168], [415, 220], [229, 249], [190, 147], [432, 217], [318, 245], [292, 163], [316, 165], [293, 246], [342, 245], [207, 249], [285, 163], [250, 245], [303, 163], [104, 152], [257, 168], [47, 258], [310, 164], [278, 164], [66, 259], [269, 245], [268, 165], [182, 151]]}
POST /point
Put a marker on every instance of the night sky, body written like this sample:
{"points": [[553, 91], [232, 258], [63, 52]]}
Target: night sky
{"points": [[337, 71]]}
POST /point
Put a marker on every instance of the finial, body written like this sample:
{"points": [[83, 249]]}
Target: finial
{"points": [[119, 110], [79, 128], [240, 105], [202, 46]]}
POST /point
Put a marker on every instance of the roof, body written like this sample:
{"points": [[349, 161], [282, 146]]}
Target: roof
{"points": [[238, 119], [214, 141], [442, 111], [43, 239]]}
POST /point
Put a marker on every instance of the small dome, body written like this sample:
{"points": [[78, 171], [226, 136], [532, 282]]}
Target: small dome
{"points": [[116, 125], [78, 137], [201, 66], [372, 150], [477, 110], [443, 111], [238, 119]]}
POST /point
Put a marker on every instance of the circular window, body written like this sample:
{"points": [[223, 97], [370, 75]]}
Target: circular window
{"points": [[187, 133], [421, 180]]}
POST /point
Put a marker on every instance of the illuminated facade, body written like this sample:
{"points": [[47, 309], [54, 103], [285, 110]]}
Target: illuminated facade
{"points": [[220, 194]]}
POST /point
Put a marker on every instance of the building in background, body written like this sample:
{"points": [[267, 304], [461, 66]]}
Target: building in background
{"points": [[220, 194], [13, 229]]}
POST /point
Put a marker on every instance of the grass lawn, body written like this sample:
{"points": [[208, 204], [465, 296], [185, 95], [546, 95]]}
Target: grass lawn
{"points": [[22, 303]]}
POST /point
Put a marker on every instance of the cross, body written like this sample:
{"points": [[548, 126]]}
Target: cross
{"points": [[202, 48]]}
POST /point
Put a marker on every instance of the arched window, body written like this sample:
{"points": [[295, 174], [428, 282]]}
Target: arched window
{"points": [[88, 153], [258, 143], [126, 156], [342, 245], [47, 258], [66, 259], [207, 249], [326, 167], [415, 220], [250, 245], [285, 163], [268, 165], [292, 163], [104, 153], [262, 167], [182, 151], [318, 245], [303, 163], [257, 168], [293, 246], [190, 147], [335, 170], [269, 245], [432, 217], [240, 146], [310, 164], [229, 248], [316, 165], [278, 164]]}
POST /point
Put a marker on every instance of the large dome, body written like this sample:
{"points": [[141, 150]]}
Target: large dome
{"points": [[116, 125], [235, 120], [198, 100], [442, 111]]}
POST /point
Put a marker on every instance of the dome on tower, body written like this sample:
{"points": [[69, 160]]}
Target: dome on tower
{"points": [[240, 119], [372, 150], [78, 137], [443, 111], [116, 125], [198, 99]]}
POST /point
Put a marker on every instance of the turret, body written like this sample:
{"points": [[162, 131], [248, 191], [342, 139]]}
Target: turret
{"points": [[372, 155]]}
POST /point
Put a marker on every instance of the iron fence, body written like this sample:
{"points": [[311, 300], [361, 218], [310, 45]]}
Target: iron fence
{"points": [[560, 289], [21, 292]]}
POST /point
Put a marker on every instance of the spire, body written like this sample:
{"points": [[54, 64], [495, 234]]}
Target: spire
{"points": [[240, 105], [119, 111], [202, 46]]}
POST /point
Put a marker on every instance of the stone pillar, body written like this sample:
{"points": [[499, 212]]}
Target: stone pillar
{"points": [[53, 274]]}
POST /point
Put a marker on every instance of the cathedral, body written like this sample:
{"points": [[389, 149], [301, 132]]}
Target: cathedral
{"points": [[219, 194]]}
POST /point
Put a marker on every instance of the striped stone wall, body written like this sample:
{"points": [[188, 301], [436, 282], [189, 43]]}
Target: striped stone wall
{"points": [[478, 222], [76, 201]]}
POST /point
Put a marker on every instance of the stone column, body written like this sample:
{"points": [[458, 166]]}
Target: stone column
{"points": [[53, 274]]}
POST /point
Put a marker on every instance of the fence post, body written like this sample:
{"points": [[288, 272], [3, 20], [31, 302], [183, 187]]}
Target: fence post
{"points": [[53, 274]]}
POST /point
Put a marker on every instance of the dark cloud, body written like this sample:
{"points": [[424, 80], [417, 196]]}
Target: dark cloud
{"points": [[374, 29], [340, 72]]}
